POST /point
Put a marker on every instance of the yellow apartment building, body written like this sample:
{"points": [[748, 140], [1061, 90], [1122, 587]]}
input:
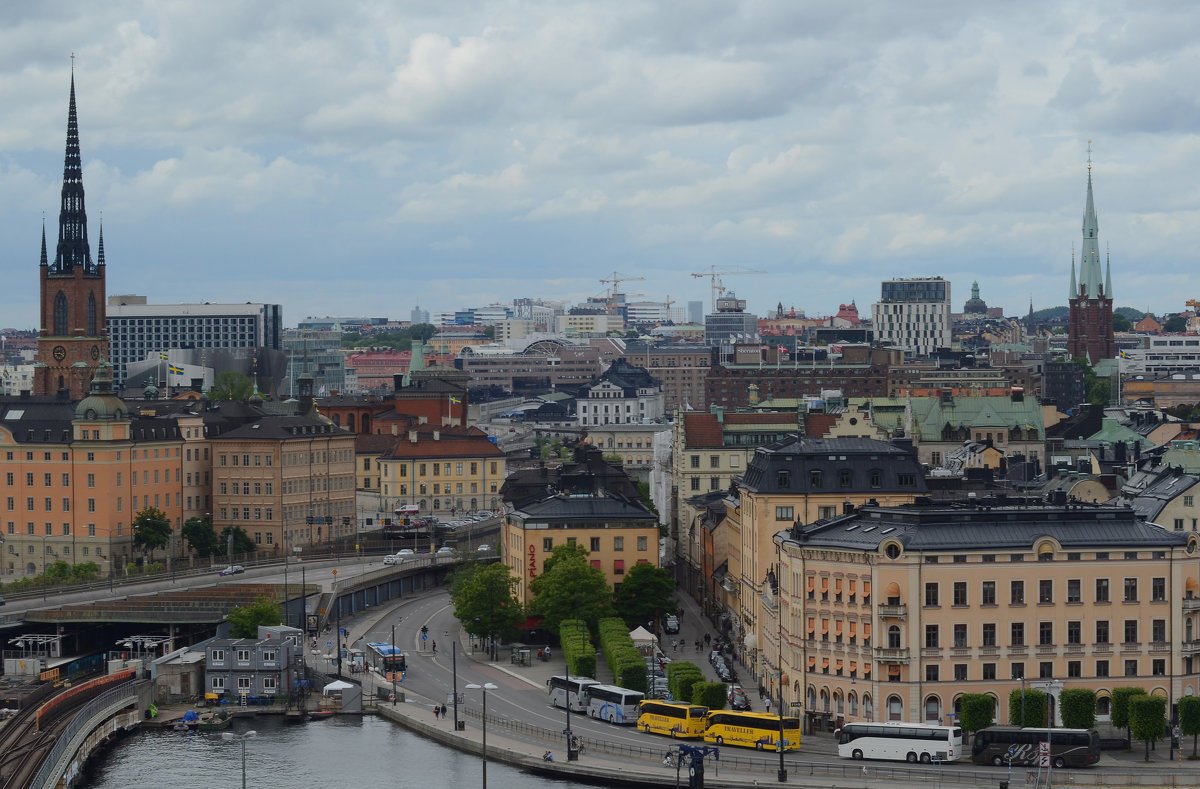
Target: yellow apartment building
{"points": [[893, 613], [442, 469]]}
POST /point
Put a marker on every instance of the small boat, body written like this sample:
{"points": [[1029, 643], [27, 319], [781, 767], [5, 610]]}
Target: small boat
{"points": [[320, 714], [217, 721], [181, 726]]}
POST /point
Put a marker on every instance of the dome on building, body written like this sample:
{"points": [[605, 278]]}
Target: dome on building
{"points": [[975, 305], [102, 403]]}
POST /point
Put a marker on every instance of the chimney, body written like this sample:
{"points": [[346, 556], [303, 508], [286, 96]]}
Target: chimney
{"points": [[412, 436], [394, 429], [437, 435]]}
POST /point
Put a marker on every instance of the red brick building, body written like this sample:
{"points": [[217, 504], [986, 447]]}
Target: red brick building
{"points": [[1090, 324]]}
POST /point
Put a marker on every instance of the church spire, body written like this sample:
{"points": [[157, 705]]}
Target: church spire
{"points": [[45, 261], [1089, 255], [1107, 273], [73, 249], [100, 251], [1074, 291]]}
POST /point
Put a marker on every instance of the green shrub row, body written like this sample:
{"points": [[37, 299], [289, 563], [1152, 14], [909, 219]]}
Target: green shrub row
{"points": [[577, 647], [627, 664], [710, 694], [681, 678]]}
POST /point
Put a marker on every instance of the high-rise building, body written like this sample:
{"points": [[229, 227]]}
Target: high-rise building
{"points": [[138, 330], [72, 340], [418, 315], [730, 324], [1090, 324], [914, 314], [695, 312]]}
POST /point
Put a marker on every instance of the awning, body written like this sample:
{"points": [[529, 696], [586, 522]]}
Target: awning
{"points": [[337, 685], [824, 584], [866, 629], [852, 582], [596, 563], [824, 626], [812, 662], [893, 590], [812, 625], [866, 669], [751, 641], [812, 583], [837, 627], [852, 626], [853, 666], [824, 662], [838, 665], [618, 564], [837, 585], [1191, 585], [866, 588]]}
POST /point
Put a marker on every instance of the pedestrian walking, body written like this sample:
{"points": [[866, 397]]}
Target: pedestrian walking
{"points": [[767, 703], [435, 647], [707, 638], [443, 712]]}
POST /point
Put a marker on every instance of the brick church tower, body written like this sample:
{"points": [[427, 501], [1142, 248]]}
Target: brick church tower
{"points": [[1090, 324], [73, 338]]}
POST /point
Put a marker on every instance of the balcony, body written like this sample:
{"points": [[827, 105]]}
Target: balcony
{"points": [[892, 655], [1191, 604], [1189, 648], [899, 611], [1047, 650]]}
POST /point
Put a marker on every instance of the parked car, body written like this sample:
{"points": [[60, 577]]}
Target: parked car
{"points": [[725, 673], [392, 559], [233, 569], [444, 550], [485, 514], [671, 623], [405, 552], [484, 549], [738, 699]]}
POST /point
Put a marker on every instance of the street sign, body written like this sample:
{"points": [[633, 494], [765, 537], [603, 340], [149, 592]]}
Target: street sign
{"points": [[424, 636], [1043, 754], [329, 645]]}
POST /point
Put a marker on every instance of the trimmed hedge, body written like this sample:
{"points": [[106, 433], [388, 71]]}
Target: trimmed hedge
{"points": [[627, 664], [681, 677], [710, 694], [576, 644]]}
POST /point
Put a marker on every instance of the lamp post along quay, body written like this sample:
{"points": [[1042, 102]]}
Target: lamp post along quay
{"points": [[485, 687], [228, 735]]}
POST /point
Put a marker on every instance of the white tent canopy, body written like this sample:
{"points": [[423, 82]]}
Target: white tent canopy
{"points": [[641, 635], [337, 685]]}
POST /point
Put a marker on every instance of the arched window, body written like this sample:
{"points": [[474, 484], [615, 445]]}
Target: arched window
{"points": [[895, 708], [474, 504], [337, 419], [853, 703], [1104, 705], [824, 700], [350, 422], [868, 707], [1188, 629], [933, 708], [437, 504], [894, 637], [60, 315], [839, 704], [812, 697], [91, 315]]}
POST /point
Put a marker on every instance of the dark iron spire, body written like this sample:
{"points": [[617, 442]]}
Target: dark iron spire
{"points": [[73, 249], [100, 251], [44, 262]]}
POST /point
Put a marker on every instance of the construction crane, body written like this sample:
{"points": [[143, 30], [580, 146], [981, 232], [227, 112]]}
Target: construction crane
{"points": [[616, 279], [718, 285]]}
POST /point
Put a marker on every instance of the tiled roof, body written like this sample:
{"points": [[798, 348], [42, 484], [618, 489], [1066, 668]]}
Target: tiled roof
{"points": [[454, 446]]}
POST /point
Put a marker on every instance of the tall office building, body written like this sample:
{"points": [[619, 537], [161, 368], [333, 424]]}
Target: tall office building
{"points": [[1090, 323], [914, 314], [72, 341], [731, 323], [138, 330], [418, 315], [695, 312]]}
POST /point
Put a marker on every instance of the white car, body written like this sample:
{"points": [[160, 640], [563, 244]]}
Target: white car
{"points": [[445, 550], [390, 559], [484, 549], [405, 552]]}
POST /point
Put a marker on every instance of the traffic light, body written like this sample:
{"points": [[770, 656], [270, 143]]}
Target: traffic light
{"points": [[424, 629]]}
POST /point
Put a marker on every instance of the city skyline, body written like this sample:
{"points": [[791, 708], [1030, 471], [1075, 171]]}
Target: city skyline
{"points": [[361, 165]]}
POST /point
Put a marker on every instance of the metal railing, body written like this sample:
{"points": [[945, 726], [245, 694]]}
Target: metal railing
{"points": [[82, 717]]}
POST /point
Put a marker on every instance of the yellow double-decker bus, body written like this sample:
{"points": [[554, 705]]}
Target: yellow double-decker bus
{"points": [[672, 718], [759, 730]]}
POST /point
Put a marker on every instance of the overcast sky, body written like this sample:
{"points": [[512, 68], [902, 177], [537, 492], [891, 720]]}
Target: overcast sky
{"points": [[359, 158]]}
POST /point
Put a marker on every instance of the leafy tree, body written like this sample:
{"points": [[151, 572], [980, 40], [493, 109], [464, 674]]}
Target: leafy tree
{"points": [[1030, 713], [1121, 323], [645, 591], [58, 572], [241, 541], [201, 537], [1148, 719], [570, 588], [231, 385], [422, 331], [246, 619], [1176, 324], [978, 710], [484, 602], [151, 529], [85, 571], [644, 493], [1120, 707], [1189, 718], [1078, 708]]}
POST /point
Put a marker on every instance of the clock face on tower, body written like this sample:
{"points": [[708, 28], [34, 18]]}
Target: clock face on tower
{"points": [[95, 352], [60, 352]]}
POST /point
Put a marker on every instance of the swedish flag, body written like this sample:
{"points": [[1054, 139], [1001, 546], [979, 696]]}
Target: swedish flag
{"points": [[174, 370], [454, 400], [1125, 355], [162, 356]]}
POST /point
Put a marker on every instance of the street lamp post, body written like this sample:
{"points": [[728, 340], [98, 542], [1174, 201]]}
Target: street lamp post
{"points": [[485, 687], [228, 735]]}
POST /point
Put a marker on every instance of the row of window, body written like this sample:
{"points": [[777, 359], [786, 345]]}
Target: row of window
{"points": [[1045, 592], [1045, 631], [714, 461], [442, 469], [618, 543], [845, 479]]}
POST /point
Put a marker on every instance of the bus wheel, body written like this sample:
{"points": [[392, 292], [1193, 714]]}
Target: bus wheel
{"points": [[1060, 762], [720, 740], [758, 745], [911, 758], [925, 758], [647, 728], [997, 761], [856, 755]]}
